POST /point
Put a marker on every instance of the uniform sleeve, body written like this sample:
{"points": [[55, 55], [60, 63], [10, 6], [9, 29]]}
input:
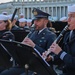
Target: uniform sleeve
{"points": [[67, 58]]}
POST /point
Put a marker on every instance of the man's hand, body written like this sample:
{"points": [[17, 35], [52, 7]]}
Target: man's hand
{"points": [[55, 48], [44, 55], [28, 42]]}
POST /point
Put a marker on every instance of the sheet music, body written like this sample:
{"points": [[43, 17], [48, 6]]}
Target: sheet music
{"points": [[41, 56]]}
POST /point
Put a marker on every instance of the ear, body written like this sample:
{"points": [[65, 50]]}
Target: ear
{"points": [[46, 21]]}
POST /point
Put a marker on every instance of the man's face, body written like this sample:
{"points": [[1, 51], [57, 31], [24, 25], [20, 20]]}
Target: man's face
{"points": [[40, 23], [71, 20], [21, 24]]}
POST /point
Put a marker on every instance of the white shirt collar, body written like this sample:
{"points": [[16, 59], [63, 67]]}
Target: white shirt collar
{"points": [[41, 30]]}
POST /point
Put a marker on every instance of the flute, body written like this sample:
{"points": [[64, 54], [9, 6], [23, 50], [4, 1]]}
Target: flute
{"points": [[59, 38]]}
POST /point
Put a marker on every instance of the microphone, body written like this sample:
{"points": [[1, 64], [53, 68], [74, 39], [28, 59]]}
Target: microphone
{"points": [[59, 38]]}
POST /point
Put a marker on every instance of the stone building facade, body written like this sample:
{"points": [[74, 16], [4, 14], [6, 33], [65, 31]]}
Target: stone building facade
{"points": [[57, 8]]}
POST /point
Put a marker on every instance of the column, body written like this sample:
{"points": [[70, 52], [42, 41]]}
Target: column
{"points": [[52, 11], [27, 13], [31, 13], [44, 9], [60, 11], [48, 9], [64, 11], [23, 9], [56, 12]]}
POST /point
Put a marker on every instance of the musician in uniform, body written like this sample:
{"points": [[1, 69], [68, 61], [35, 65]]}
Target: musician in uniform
{"points": [[21, 15], [5, 34], [63, 19], [40, 41], [41, 38], [5, 27], [14, 26], [49, 25], [23, 24], [4, 13], [67, 53]]}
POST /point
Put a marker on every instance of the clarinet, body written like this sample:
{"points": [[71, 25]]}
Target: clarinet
{"points": [[59, 38]]}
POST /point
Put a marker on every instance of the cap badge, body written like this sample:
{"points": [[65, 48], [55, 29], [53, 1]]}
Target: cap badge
{"points": [[35, 13]]}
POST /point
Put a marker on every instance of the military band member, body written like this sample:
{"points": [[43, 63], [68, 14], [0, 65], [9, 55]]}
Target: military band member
{"points": [[63, 19], [5, 13], [67, 53], [41, 38], [14, 26], [21, 15], [5, 27], [23, 24], [6, 34]]}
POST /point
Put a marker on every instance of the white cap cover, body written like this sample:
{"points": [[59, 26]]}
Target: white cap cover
{"points": [[71, 8], [3, 17], [22, 20]]}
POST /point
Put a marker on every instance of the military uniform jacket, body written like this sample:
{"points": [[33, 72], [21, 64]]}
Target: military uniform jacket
{"points": [[42, 40], [69, 59]]}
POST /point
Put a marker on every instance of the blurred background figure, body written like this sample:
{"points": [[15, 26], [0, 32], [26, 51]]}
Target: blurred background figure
{"points": [[49, 25], [6, 34], [63, 19], [21, 15], [14, 26], [29, 22], [4, 13], [23, 24], [5, 25]]}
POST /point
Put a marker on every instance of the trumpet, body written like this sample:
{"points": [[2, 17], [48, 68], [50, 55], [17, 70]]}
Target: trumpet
{"points": [[59, 38]]}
